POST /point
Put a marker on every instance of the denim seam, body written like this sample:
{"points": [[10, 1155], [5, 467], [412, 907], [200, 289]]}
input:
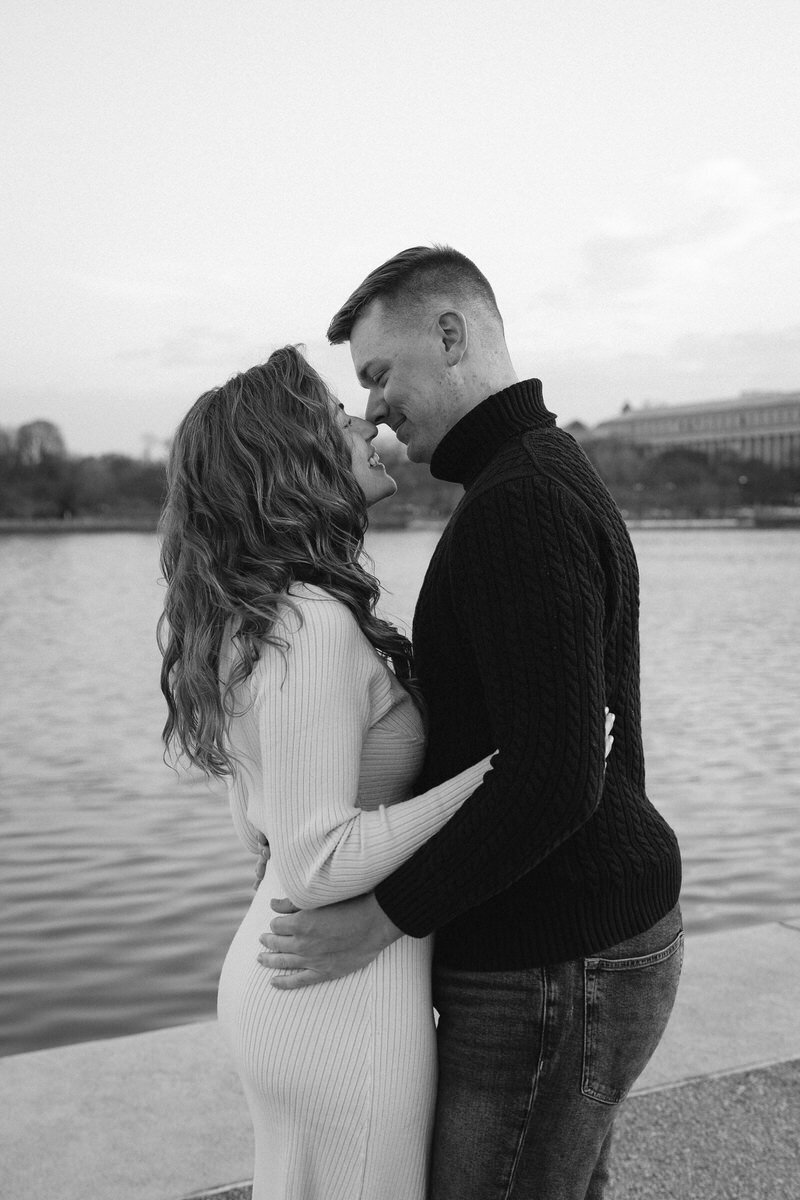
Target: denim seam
{"points": [[533, 1090], [591, 970], [632, 964], [589, 988]]}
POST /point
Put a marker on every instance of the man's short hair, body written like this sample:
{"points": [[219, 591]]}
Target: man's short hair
{"points": [[410, 276]]}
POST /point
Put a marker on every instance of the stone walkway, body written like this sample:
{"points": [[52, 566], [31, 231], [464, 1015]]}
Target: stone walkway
{"points": [[160, 1116], [731, 1137]]}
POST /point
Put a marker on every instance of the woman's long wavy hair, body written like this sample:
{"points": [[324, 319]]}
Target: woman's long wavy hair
{"points": [[260, 494]]}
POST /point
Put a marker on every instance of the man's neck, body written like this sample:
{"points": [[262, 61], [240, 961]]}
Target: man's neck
{"points": [[487, 384]]}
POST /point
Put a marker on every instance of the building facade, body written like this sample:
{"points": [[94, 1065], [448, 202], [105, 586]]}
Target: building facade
{"points": [[760, 425]]}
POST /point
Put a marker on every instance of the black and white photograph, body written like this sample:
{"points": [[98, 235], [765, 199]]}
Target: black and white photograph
{"points": [[399, 618]]}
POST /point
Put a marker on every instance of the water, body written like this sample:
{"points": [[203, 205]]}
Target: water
{"points": [[720, 631], [122, 884]]}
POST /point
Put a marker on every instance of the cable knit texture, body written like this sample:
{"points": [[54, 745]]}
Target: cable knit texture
{"points": [[341, 1077], [525, 628]]}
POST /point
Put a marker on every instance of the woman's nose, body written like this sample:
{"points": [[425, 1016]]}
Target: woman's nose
{"points": [[367, 429]]}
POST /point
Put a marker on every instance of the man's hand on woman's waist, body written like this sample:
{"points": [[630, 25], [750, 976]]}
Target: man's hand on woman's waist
{"points": [[325, 943]]}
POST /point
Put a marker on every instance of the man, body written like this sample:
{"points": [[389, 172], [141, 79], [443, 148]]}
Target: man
{"points": [[554, 890]]}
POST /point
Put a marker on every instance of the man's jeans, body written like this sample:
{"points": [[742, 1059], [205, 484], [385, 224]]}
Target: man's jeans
{"points": [[533, 1065]]}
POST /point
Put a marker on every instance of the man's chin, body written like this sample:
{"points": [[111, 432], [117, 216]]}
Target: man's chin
{"points": [[414, 452], [417, 454]]}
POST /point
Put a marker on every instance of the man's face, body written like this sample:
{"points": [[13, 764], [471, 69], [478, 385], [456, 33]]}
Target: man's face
{"points": [[403, 364]]}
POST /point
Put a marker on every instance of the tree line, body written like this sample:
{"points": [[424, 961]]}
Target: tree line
{"points": [[674, 483], [39, 480], [688, 483]]}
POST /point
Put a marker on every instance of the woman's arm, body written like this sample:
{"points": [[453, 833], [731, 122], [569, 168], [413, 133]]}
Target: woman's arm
{"points": [[314, 704]]}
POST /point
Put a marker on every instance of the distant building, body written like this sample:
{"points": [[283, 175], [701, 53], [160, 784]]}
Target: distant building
{"points": [[761, 425], [581, 432]]}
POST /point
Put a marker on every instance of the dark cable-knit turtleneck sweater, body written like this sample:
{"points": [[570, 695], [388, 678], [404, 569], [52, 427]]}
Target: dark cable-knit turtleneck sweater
{"points": [[525, 629]]}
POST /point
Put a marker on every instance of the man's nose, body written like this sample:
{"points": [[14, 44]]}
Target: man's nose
{"points": [[376, 407]]}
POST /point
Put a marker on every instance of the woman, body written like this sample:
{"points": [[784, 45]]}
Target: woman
{"points": [[279, 676]]}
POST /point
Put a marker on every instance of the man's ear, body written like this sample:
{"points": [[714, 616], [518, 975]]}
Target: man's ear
{"points": [[455, 335]]}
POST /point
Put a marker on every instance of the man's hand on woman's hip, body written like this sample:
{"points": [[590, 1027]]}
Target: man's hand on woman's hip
{"points": [[325, 943]]}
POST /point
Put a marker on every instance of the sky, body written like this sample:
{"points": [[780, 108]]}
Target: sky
{"points": [[188, 185]]}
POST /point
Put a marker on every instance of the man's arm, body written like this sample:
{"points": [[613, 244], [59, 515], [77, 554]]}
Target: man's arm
{"points": [[327, 943], [532, 612], [529, 599]]}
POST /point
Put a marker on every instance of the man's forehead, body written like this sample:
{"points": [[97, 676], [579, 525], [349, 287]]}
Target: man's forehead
{"points": [[372, 321], [370, 336]]}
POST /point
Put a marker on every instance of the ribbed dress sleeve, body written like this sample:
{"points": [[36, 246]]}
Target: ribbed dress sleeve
{"points": [[313, 704], [530, 608]]}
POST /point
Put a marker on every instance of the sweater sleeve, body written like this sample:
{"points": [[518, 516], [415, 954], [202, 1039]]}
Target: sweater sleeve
{"points": [[313, 705], [529, 601]]}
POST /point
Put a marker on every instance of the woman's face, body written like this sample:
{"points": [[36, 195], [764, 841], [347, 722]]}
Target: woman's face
{"points": [[368, 469]]}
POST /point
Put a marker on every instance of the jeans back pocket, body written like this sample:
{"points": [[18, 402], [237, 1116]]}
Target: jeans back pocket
{"points": [[627, 1003]]}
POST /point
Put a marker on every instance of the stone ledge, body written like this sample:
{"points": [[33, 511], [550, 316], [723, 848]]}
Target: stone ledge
{"points": [[161, 1116]]}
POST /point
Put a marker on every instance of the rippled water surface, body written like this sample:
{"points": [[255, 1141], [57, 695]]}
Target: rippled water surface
{"points": [[122, 884]]}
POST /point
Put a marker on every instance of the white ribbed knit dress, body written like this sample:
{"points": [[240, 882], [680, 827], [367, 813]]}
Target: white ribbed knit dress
{"points": [[340, 1077]]}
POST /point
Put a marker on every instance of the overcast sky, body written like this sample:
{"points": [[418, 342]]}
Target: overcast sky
{"points": [[187, 184]]}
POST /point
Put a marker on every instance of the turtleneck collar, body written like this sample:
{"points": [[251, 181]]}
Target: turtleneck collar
{"points": [[466, 449]]}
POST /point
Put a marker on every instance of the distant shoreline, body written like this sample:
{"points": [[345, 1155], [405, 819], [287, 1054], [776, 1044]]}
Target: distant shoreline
{"points": [[758, 518], [764, 519], [141, 524]]}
